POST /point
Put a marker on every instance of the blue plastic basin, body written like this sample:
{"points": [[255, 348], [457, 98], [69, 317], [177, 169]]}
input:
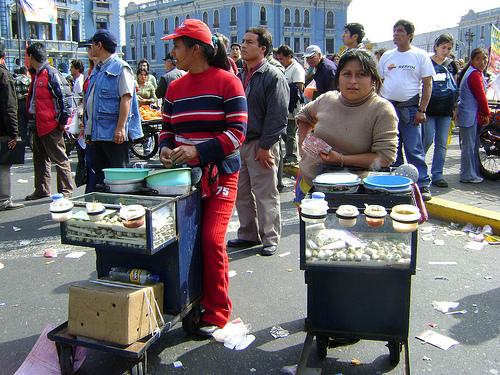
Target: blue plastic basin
{"points": [[118, 174], [388, 182], [170, 177]]}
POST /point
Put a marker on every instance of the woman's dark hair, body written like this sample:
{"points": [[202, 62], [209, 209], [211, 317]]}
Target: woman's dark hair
{"points": [[144, 61], [78, 65], [141, 70], [264, 38], [473, 54], [442, 39], [367, 62], [37, 51], [215, 56]]}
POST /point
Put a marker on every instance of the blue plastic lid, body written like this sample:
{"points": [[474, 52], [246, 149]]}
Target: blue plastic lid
{"points": [[56, 196], [318, 195]]}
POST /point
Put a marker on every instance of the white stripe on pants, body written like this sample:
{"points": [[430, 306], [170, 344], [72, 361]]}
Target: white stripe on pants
{"points": [[258, 201]]}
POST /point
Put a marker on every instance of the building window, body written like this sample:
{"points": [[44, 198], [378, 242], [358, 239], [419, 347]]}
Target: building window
{"points": [[296, 45], [232, 21], [176, 22], [132, 52], [33, 31], [234, 39], [165, 26], [14, 25], [61, 29], [307, 22], [287, 41], [329, 20], [287, 17], [145, 52], [101, 25], [329, 45], [166, 50], [152, 28], [482, 32], [296, 18], [132, 31], [153, 52], [307, 41], [216, 18], [46, 31], [205, 18], [144, 31], [263, 17]]}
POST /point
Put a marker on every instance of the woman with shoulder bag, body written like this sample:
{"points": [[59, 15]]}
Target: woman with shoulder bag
{"points": [[440, 108]]}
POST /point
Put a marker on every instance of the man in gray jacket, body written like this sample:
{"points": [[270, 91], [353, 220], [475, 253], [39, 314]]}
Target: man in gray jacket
{"points": [[258, 202]]}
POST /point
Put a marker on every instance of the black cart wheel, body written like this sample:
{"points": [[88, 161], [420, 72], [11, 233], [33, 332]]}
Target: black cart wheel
{"points": [[191, 321], [140, 367], [322, 346], [489, 151], [146, 147], [66, 359], [394, 351]]}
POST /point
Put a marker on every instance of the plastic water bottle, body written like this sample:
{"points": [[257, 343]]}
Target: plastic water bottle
{"points": [[133, 275]]}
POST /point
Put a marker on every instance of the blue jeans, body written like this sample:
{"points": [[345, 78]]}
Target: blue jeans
{"points": [[436, 130], [469, 149], [410, 139]]}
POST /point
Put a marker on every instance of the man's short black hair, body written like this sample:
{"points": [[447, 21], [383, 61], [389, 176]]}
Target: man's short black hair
{"points": [[23, 70], [78, 65], [408, 26], [285, 51], [37, 51], [235, 44], [356, 28], [264, 38], [143, 61], [2, 50]]}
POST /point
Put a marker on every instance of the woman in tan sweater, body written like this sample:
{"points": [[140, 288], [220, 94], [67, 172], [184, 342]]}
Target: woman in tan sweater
{"points": [[359, 125]]}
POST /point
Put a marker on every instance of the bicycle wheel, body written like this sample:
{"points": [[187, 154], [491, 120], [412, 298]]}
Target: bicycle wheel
{"points": [[489, 152], [146, 147]]}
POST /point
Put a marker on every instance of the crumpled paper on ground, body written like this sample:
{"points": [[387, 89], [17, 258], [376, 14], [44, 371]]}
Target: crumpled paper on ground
{"points": [[278, 332], [444, 306], [234, 335], [43, 358]]}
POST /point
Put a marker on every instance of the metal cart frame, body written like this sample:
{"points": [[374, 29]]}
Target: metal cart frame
{"points": [[332, 289]]}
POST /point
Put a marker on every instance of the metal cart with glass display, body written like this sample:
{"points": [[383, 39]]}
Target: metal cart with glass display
{"points": [[168, 245], [358, 278]]}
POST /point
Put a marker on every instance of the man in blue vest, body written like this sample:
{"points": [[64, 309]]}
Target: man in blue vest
{"points": [[111, 108]]}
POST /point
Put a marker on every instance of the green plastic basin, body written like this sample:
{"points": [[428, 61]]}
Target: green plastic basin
{"points": [[118, 174], [170, 177]]}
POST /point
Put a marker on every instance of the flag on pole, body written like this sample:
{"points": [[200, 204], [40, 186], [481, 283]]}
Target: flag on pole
{"points": [[39, 10], [494, 65]]}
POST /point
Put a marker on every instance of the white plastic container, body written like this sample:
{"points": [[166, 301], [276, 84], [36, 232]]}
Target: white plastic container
{"points": [[405, 218], [347, 215], [314, 209], [375, 215], [61, 209], [95, 211]]}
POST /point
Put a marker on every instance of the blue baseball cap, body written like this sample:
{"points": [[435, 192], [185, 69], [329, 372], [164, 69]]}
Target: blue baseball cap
{"points": [[104, 36]]}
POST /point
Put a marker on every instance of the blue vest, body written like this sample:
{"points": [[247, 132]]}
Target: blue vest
{"points": [[467, 103], [106, 103]]}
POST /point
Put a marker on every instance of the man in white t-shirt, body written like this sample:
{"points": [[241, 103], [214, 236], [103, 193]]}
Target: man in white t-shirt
{"points": [[295, 77], [405, 70]]}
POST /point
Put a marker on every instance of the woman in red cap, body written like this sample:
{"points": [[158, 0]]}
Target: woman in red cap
{"points": [[204, 124]]}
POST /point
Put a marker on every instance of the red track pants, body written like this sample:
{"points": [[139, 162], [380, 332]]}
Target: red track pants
{"points": [[215, 215]]}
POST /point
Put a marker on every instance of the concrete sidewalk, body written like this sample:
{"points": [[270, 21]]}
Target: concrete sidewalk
{"points": [[478, 204]]}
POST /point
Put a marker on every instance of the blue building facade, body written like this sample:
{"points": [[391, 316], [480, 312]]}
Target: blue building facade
{"points": [[474, 30], [76, 21], [294, 23]]}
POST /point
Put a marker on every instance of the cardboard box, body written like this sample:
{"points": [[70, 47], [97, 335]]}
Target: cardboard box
{"points": [[116, 312]]}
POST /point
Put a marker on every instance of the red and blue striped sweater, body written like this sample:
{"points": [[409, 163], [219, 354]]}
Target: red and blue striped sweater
{"points": [[207, 110]]}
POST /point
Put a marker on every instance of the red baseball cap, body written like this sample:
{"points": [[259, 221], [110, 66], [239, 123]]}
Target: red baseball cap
{"points": [[192, 28]]}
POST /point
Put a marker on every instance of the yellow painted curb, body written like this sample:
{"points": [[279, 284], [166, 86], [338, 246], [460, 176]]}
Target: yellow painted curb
{"points": [[462, 213]]}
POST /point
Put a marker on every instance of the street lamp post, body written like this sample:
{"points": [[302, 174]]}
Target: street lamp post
{"points": [[469, 37]]}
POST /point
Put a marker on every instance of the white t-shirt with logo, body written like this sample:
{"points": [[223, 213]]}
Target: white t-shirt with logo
{"points": [[402, 73]]}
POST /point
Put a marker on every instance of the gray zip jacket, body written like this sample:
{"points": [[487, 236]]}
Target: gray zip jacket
{"points": [[267, 97]]}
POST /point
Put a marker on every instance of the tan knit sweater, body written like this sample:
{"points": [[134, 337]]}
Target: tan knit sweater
{"points": [[368, 126]]}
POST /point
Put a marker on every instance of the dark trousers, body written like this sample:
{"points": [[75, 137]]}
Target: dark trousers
{"points": [[46, 149], [108, 155], [22, 118]]}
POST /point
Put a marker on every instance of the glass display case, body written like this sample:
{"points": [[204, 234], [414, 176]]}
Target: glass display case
{"points": [[158, 226]]}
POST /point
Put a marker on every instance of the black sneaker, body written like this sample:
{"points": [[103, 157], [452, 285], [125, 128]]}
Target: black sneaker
{"points": [[426, 193]]}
